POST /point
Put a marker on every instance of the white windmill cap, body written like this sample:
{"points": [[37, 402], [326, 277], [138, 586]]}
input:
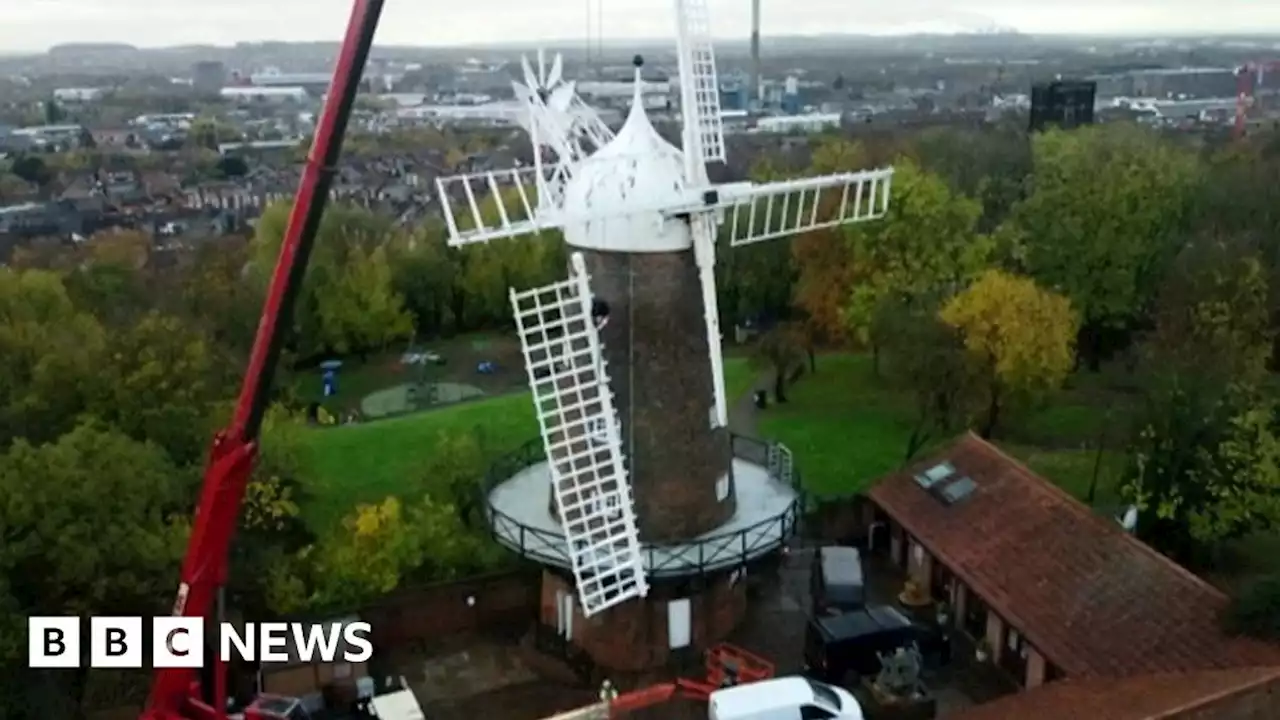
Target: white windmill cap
{"points": [[638, 169]]}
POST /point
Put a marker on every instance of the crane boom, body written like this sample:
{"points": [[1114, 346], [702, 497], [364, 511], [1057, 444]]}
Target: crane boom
{"points": [[177, 693]]}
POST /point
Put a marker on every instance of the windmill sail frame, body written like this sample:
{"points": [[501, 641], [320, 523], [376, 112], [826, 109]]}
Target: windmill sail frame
{"points": [[582, 439]]}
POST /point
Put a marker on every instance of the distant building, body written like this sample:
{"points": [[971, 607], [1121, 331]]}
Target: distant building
{"points": [[1063, 103], [314, 83], [1169, 83], [78, 95], [265, 94], [208, 77], [55, 137], [809, 123]]}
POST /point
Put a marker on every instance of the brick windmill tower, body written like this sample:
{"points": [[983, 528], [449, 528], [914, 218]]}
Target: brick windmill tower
{"points": [[642, 506]]}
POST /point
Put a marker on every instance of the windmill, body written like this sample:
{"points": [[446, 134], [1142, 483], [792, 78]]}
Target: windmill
{"points": [[624, 356]]}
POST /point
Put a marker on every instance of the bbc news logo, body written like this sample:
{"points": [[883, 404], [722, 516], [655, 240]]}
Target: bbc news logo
{"points": [[179, 642]]}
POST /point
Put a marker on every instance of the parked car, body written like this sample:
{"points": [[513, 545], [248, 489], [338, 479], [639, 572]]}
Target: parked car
{"points": [[836, 581], [851, 643], [784, 698]]}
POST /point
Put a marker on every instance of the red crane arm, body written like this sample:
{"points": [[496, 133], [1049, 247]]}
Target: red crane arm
{"points": [[177, 694]]}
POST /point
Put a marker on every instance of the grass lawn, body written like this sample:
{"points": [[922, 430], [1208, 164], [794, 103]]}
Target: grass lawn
{"points": [[847, 428], [739, 378], [369, 461]]}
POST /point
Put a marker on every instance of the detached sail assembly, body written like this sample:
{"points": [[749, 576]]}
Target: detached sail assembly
{"points": [[580, 434]]}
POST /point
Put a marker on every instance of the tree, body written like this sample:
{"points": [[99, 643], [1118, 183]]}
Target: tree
{"points": [[423, 275], [1205, 467], [927, 359], [457, 459], [1255, 610], [32, 169], [49, 356], [1213, 316], [990, 164], [268, 558], [780, 349], [926, 244], [347, 303], [1018, 337], [161, 383], [92, 524], [361, 310], [1107, 209]]}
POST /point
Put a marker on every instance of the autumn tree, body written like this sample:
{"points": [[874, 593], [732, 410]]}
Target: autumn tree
{"points": [[1018, 337], [823, 262], [1107, 209], [268, 558], [926, 244]]}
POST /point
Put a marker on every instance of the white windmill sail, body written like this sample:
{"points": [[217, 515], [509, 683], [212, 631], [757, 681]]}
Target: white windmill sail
{"points": [[527, 200], [580, 433], [759, 211]]}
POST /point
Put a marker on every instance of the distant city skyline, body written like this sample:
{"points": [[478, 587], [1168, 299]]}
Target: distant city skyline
{"points": [[35, 25]]}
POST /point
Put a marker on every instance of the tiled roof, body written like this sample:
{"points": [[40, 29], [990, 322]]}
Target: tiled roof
{"points": [[1161, 696], [1092, 599]]}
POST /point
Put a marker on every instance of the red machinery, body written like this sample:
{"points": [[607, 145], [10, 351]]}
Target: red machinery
{"points": [[179, 694], [726, 666], [1248, 78]]}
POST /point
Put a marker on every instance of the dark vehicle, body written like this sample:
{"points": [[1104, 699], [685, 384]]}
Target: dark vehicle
{"points": [[836, 581], [835, 646]]}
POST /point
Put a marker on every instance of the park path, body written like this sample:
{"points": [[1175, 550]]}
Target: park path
{"points": [[743, 413]]}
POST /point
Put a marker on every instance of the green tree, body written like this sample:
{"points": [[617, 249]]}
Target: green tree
{"points": [[49, 356], [927, 359], [1213, 316], [267, 574], [1205, 467], [348, 303], [1019, 339], [991, 164], [93, 524], [371, 553], [424, 277], [927, 243], [161, 382], [1107, 210]]}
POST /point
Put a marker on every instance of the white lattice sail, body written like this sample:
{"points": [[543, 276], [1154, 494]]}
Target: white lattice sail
{"points": [[700, 84], [580, 433]]}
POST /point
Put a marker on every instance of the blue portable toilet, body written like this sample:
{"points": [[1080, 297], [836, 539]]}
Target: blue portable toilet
{"points": [[329, 378]]}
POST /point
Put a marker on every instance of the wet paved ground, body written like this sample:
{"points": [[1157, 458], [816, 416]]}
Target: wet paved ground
{"points": [[487, 678]]}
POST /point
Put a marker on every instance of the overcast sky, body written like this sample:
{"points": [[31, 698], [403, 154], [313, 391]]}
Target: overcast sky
{"points": [[27, 25]]}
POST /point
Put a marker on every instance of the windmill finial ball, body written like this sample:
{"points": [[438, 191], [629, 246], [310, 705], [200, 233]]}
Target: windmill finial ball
{"points": [[638, 60]]}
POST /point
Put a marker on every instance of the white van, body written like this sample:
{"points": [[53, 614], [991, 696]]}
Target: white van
{"points": [[786, 698]]}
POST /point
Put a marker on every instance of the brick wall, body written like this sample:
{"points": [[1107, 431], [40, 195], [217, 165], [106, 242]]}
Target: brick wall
{"points": [[504, 602], [839, 520], [633, 637], [1260, 702], [655, 347]]}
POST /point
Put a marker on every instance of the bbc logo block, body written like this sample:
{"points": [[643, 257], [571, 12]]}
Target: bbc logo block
{"points": [[179, 642]]}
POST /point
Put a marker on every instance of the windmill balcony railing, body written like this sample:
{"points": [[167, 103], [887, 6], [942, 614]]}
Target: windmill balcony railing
{"points": [[717, 552]]}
